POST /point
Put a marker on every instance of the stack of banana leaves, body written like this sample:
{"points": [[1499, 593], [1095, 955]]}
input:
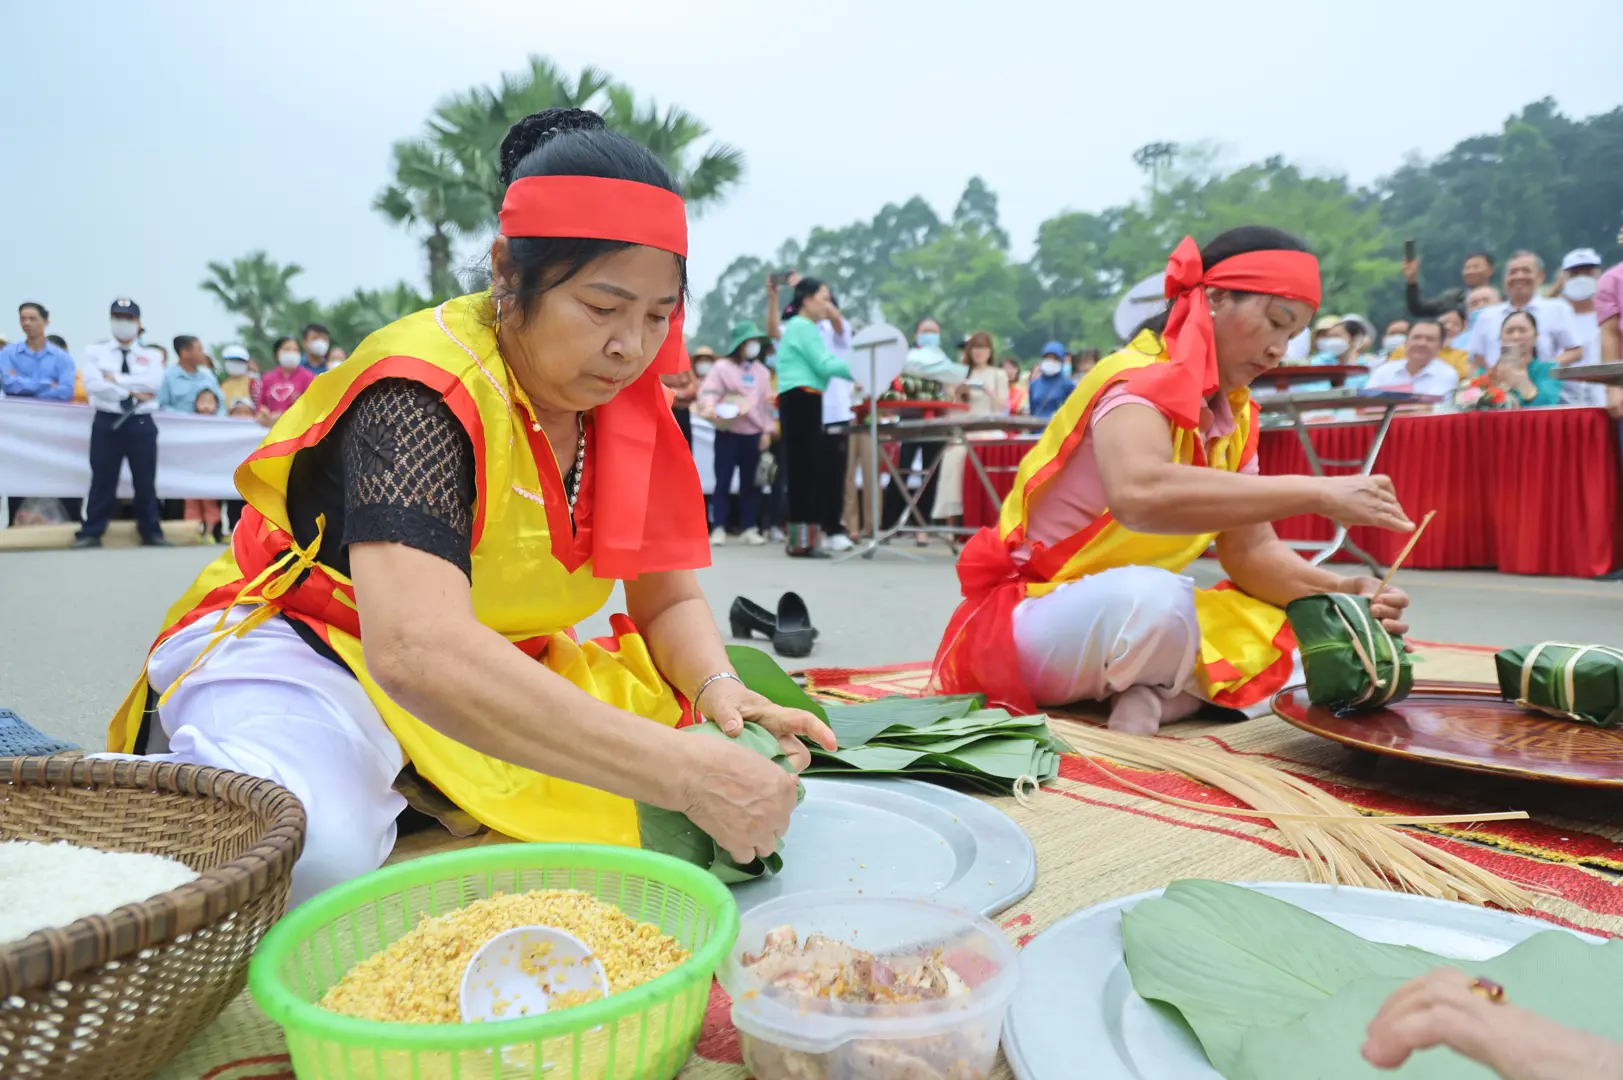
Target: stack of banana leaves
{"points": [[950, 740]]}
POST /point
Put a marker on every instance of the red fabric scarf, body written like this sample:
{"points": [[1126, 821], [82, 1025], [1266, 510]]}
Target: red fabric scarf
{"points": [[1180, 387], [649, 512]]}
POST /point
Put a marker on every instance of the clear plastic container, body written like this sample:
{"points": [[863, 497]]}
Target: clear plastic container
{"points": [[788, 1036]]}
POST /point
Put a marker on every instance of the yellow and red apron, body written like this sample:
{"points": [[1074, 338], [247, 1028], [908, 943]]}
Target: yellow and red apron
{"points": [[532, 574], [1246, 643]]}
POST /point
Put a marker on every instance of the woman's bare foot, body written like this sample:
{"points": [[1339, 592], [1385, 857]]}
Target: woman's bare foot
{"points": [[1136, 711]]}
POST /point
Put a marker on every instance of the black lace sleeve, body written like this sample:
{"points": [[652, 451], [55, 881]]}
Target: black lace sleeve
{"points": [[408, 472]]}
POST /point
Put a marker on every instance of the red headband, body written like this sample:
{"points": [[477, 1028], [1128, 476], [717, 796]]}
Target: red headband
{"points": [[648, 512], [1180, 387], [596, 208]]}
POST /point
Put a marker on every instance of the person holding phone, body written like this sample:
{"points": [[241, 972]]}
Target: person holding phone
{"points": [[1518, 378], [1477, 270]]}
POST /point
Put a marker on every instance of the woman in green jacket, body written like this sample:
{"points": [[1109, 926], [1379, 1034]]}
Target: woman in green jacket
{"points": [[805, 365]]}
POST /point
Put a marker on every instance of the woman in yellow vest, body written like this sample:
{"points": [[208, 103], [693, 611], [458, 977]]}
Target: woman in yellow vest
{"points": [[1079, 593], [426, 525]]}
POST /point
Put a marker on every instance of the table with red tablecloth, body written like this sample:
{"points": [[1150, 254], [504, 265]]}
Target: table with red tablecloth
{"points": [[1523, 491]]}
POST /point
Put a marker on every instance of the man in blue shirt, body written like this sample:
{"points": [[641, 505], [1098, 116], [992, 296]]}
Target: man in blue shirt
{"points": [[1051, 385], [191, 373], [34, 367]]}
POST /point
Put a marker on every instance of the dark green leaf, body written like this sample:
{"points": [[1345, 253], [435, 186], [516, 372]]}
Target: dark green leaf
{"points": [[763, 675]]}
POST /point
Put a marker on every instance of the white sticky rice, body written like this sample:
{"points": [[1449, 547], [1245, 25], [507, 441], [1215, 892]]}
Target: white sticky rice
{"points": [[46, 885]]}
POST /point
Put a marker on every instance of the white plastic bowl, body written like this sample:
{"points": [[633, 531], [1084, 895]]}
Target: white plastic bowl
{"points": [[786, 1035]]}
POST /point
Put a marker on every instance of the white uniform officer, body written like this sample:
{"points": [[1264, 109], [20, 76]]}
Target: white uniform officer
{"points": [[122, 378]]}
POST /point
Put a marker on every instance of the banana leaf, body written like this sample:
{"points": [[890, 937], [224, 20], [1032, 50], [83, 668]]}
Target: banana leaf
{"points": [[1582, 683], [1297, 999], [670, 832], [856, 725], [761, 673], [1340, 644]]}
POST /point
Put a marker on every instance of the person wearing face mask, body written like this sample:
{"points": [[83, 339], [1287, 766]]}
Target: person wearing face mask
{"points": [[122, 378], [736, 396], [335, 356], [284, 384], [316, 341], [1392, 342], [1577, 285], [1080, 592], [241, 381], [1049, 387]]}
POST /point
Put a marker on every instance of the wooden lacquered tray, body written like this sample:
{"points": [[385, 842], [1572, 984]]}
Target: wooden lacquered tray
{"points": [[1468, 726]]}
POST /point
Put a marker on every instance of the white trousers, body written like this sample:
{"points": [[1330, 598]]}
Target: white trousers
{"points": [[1092, 638], [268, 705]]}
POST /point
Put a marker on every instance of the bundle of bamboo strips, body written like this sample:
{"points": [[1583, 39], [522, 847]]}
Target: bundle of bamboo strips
{"points": [[1339, 845]]}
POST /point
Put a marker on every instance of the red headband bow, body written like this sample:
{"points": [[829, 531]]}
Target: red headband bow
{"points": [[648, 508], [1180, 387]]}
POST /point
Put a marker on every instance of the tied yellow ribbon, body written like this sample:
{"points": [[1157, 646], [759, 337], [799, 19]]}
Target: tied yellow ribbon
{"points": [[271, 583]]}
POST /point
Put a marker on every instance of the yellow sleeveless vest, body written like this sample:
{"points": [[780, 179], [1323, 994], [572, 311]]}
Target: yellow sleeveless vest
{"points": [[531, 572], [1245, 642]]}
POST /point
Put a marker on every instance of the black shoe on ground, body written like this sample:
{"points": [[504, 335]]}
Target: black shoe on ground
{"points": [[794, 634], [87, 541], [748, 618], [155, 541]]}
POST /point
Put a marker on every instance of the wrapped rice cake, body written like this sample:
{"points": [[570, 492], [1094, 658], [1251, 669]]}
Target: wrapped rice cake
{"points": [[1581, 683], [1352, 663]]}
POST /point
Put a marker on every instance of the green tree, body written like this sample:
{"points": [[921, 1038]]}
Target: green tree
{"points": [[1521, 196], [706, 175], [431, 193], [977, 212], [448, 182], [255, 289], [740, 293]]}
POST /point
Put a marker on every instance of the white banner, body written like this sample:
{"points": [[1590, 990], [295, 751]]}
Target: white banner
{"points": [[45, 450]]}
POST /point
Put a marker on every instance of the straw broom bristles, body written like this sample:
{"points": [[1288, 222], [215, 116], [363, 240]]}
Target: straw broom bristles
{"points": [[1339, 845]]}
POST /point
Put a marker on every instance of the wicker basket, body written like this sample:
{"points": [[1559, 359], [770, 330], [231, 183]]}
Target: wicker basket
{"points": [[114, 996]]}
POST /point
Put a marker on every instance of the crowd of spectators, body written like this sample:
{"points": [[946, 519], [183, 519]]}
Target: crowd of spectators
{"points": [[126, 379], [781, 399]]}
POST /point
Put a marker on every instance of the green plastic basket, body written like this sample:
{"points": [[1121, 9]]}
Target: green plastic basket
{"points": [[645, 1033]]}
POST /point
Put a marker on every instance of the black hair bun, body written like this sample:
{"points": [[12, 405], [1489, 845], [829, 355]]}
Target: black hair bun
{"points": [[536, 129]]}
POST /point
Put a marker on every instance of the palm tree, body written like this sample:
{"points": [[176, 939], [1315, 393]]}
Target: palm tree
{"points": [[671, 136], [256, 289], [450, 182], [432, 192], [470, 126]]}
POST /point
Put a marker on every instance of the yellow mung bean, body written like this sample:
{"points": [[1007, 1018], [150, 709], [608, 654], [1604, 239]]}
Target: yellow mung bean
{"points": [[418, 978]]}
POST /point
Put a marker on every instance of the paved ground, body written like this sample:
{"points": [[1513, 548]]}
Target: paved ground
{"points": [[75, 625]]}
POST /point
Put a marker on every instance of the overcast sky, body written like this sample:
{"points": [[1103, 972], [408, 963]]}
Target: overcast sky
{"points": [[141, 139]]}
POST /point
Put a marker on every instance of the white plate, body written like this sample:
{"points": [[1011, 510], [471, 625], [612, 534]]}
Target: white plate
{"points": [[900, 837], [1076, 1000]]}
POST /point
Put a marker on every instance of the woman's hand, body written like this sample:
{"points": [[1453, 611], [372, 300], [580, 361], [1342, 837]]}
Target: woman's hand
{"points": [[729, 703], [766, 444], [1364, 500], [1388, 605], [1441, 1009], [739, 798]]}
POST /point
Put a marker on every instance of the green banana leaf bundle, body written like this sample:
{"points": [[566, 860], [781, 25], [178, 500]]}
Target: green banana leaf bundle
{"points": [[1276, 993], [1352, 663], [672, 833], [952, 740], [1582, 683]]}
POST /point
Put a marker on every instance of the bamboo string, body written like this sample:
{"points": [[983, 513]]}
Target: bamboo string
{"points": [[1414, 538], [1338, 845]]}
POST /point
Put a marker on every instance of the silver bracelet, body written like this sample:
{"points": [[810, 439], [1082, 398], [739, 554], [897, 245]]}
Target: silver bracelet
{"points": [[706, 684]]}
